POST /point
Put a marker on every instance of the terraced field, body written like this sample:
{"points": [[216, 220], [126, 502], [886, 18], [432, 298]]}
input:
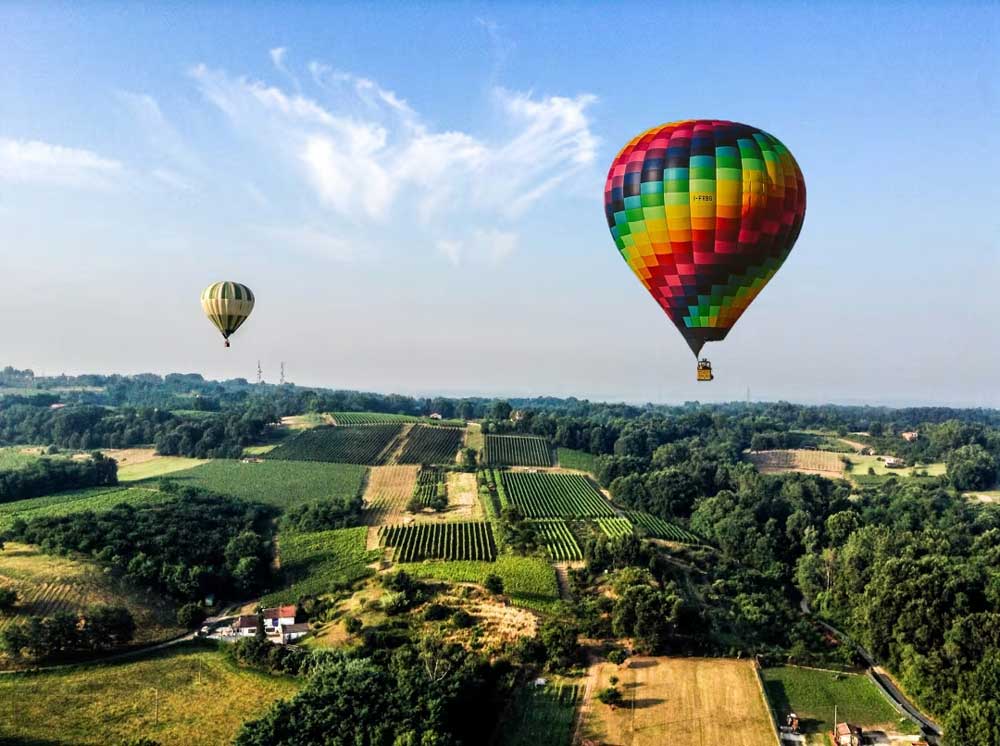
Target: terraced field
{"points": [[544, 495], [558, 540], [516, 450], [431, 445], [389, 491], [361, 444], [472, 540]]}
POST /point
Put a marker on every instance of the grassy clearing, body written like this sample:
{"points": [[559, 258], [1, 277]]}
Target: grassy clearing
{"points": [[474, 437], [680, 701], [47, 584], [530, 582], [304, 421], [190, 694], [542, 715], [135, 464], [579, 460], [861, 465], [284, 484], [14, 457], [259, 450], [78, 501], [812, 694], [315, 562]]}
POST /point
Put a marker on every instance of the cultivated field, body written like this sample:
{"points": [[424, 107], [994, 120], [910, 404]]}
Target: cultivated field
{"points": [[615, 528], [546, 495], [284, 484], [542, 715], [143, 463], [812, 694], [679, 701], [530, 582], [516, 450], [559, 542], [578, 460], [317, 562], [468, 540], [431, 445], [47, 584], [823, 463], [657, 528], [78, 501], [379, 418], [190, 694], [361, 444], [430, 486], [389, 491]]}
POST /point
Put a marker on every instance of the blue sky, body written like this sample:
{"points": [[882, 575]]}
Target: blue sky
{"points": [[415, 193]]}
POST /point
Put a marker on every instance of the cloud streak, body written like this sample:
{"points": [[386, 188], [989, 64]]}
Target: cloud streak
{"points": [[37, 162]]}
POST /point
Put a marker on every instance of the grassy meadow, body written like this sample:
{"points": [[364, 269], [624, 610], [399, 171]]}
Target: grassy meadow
{"points": [[530, 582], [579, 460], [191, 694]]}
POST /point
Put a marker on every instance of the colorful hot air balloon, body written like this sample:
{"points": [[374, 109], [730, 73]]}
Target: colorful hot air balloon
{"points": [[705, 212], [227, 305]]}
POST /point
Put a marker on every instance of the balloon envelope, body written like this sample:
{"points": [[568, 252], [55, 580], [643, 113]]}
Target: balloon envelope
{"points": [[227, 305], [705, 212]]}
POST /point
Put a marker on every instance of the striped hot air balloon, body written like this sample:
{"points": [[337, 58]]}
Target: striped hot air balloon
{"points": [[705, 212], [227, 305]]}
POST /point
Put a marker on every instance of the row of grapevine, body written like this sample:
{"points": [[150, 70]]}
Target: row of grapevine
{"points": [[431, 487], [516, 450], [558, 540], [367, 444], [472, 540], [431, 445], [658, 528], [544, 495], [382, 418], [615, 528]]}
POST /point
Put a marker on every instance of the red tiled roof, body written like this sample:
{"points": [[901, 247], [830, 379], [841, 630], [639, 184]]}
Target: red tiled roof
{"points": [[246, 621], [280, 611]]}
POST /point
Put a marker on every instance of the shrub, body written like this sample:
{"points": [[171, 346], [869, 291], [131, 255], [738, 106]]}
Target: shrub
{"points": [[617, 656], [493, 583], [353, 625], [462, 619], [191, 615], [611, 696]]}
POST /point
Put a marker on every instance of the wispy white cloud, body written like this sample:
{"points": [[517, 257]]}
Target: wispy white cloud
{"points": [[178, 165], [366, 155], [34, 161]]}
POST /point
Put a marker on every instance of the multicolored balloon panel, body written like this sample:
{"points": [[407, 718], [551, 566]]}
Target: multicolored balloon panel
{"points": [[227, 305], [704, 212]]}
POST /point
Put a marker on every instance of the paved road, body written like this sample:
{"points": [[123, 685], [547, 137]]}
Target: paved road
{"points": [[931, 729]]}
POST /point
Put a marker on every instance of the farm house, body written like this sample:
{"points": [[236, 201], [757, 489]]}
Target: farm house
{"points": [[847, 734]]}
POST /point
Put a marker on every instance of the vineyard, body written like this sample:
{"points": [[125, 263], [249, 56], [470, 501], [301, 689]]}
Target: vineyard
{"points": [[552, 495], [389, 491], [94, 499], [431, 445], [516, 450], [319, 561], [558, 540], [543, 715], [807, 462], [658, 528], [615, 528], [431, 488], [379, 418], [368, 444], [471, 540]]}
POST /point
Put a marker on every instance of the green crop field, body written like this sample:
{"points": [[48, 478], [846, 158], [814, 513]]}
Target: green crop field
{"points": [[157, 467], [579, 460], [284, 484], [380, 418], [542, 715], [615, 528], [94, 499], [812, 694], [191, 694], [430, 485], [516, 450], [470, 540], [658, 528], [530, 582], [361, 444], [317, 562], [431, 445], [558, 540], [545, 495]]}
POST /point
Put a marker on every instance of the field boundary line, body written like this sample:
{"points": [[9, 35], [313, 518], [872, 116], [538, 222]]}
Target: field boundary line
{"points": [[767, 702]]}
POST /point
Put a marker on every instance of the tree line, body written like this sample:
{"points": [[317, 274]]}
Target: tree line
{"points": [[49, 475]]}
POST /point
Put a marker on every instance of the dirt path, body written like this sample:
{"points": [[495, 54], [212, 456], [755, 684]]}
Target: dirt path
{"points": [[396, 447], [562, 580]]}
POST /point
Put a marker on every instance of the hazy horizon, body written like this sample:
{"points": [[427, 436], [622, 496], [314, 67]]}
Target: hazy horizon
{"points": [[415, 196]]}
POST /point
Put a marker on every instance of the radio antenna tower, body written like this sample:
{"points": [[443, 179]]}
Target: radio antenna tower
{"points": [[260, 374], [282, 379]]}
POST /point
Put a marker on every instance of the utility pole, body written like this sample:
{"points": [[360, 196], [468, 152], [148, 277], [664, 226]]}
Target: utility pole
{"points": [[260, 374]]}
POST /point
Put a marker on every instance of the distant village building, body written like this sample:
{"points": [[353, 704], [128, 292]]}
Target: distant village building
{"points": [[910, 435], [846, 734]]}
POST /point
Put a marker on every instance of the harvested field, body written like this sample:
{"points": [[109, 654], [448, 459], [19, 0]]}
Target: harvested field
{"points": [[680, 701], [389, 491], [823, 463]]}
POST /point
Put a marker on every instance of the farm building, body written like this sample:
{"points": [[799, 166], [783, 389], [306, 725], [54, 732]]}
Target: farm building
{"points": [[245, 625], [279, 623], [278, 617], [891, 462], [846, 734], [292, 632], [910, 436]]}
